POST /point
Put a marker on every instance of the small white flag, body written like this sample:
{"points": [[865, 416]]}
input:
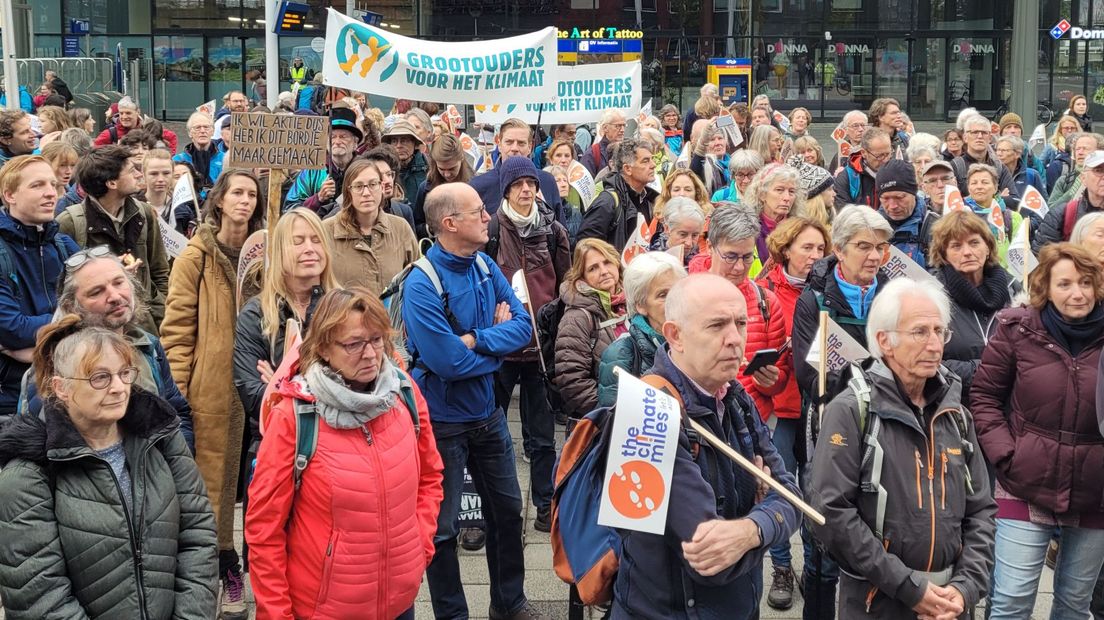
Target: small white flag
{"points": [[842, 349], [952, 200], [173, 241], [521, 288], [1033, 201], [645, 112], [208, 108], [638, 241], [580, 180], [641, 458], [1037, 141], [898, 264], [1021, 261]]}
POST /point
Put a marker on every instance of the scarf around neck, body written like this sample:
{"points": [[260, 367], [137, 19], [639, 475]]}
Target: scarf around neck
{"points": [[1073, 336], [526, 224], [991, 296], [344, 408]]}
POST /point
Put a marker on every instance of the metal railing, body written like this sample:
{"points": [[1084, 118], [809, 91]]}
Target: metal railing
{"points": [[83, 75]]}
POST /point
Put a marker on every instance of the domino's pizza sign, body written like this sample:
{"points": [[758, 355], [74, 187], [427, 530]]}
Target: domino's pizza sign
{"points": [[1075, 32]]}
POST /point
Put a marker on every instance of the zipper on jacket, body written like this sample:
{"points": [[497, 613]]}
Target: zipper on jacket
{"points": [[385, 562], [919, 493], [930, 440], [943, 482], [42, 270], [367, 434]]}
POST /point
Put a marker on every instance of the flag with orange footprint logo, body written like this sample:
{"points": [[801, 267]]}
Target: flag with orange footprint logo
{"points": [[639, 240]]}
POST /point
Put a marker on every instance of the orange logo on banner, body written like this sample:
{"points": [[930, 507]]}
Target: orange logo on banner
{"points": [[839, 134], [636, 490], [1033, 200], [954, 200], [845, 150]]}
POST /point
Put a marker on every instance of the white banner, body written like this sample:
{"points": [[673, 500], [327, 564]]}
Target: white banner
{"points": [[1033, 201], [1020, 259], [172, 239], [900, 264], [641, 458], [381, 62], [578, 177], [842, 348], [583, 93], [639, 241]]}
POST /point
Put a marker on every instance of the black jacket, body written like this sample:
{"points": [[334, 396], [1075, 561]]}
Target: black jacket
{"points": [[961, 166], [600, 220], [807, 317], [1052, 230], [929, 526], [973, 318]]}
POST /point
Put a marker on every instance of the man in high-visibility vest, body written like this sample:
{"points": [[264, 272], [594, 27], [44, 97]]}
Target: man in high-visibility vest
{"points": [[299, 73]]}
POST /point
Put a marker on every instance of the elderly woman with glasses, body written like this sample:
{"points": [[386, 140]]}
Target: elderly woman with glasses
{"points": [[742, 166], [104, 514], [367, 496], [1034, 401], [369, 247]]}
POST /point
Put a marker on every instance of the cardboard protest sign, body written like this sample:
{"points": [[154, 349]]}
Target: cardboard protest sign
{"points": [[281, 141], [578, 177], [252, 255], [898, 264], [583, 93], [842, 349], [381, 62], [1033, 201], [641, 458]]}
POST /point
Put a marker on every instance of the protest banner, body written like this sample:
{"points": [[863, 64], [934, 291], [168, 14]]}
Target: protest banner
{"points": [[471, 504], [382, 62], [843, 147], [208, 108], [783, 122], [898, 264], [842, 349], [952, 200], [578, 177], [251, 258], [173, 241], [1021, 261], [641, 458], [281, 141], [583, 93], [1033, 201], [638, 241]]}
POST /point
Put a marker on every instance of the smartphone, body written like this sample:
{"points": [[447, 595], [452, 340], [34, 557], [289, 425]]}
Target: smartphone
{"points": [[765, 357]]}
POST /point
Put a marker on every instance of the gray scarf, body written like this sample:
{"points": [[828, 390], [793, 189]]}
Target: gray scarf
{"points": [[344, 408]]}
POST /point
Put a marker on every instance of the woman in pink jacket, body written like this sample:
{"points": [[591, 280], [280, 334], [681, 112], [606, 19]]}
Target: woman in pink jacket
{"points": [[350, 534]]}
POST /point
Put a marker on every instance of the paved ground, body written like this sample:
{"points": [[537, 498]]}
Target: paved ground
{"points": [[549, 594]]}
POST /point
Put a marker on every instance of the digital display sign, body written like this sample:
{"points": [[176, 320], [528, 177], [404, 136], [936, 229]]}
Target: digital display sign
{"points": [[291, 17], [599, 45]]}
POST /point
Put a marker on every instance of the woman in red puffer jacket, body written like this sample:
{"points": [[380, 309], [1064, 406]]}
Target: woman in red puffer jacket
{"points": [[353, 539]]}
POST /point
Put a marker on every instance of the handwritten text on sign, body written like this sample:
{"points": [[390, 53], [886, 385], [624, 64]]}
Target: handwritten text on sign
{"points": [[284, 141]]}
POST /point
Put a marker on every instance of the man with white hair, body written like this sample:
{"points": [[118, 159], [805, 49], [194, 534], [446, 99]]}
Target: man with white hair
{"points": [[720, 521], [906, 547], [977, 136], [612, 129]]}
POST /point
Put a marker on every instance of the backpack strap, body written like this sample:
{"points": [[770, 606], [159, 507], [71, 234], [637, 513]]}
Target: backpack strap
{"points": [[761, 298], [306, 438], [596, 152], [873, 456], [7, 268], [80, 224], [493, 227], [832, 314], [406, 392], [1069, 218]]}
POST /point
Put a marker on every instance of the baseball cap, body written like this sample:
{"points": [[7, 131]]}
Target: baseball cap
{"points": [[1096, 158], [938, 163]]}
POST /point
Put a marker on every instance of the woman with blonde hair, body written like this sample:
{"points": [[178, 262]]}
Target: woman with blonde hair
{"points": [[767, 140], [1056, 145], [809, 149], [54, 121], [369, 247], [63, 159], [594, 315], [298, 272], [774, 195]]}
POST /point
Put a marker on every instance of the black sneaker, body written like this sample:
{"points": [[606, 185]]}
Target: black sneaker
{"points": [[473, 538], [525, 613], [782, 587], [543, 522]]}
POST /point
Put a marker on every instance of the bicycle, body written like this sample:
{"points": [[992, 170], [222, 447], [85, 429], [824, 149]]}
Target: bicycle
{"points": [[1043, 113]]}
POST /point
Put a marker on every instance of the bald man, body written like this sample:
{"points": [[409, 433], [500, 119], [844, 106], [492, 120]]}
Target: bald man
{"points": [[720, 522]]}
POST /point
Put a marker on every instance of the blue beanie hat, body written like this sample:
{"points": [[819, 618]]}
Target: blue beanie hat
{"points": [[514, 168]]}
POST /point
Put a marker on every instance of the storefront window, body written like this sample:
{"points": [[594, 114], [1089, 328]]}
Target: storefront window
{"points": [[112, 16], [179, 61]]}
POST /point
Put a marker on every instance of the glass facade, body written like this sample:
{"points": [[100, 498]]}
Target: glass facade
{"points": [[830, 56]]}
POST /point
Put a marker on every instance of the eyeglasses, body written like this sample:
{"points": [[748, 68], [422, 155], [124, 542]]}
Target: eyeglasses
{"points": [[866, 247], [616, 125], [101, 380], [203, 128], [856, 126], [731, 258], [921, 335], [978, 132], [947, 178], [356, 349], [878, 156], [481, 210], [78, 259], [358, 188], [745, 175]]}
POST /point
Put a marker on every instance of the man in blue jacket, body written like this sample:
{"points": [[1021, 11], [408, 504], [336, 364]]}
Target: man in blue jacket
{"points": [[514, 139], [720, 521], [458, 338], [32, 257]]}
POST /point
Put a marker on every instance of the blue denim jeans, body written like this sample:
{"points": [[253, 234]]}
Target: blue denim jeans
{"points": [[785, 434], [538, 426], [488, 452], [1020, 552]]}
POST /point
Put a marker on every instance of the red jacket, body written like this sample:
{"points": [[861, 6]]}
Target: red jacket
{"points": [[356, 537], [760, 335], [104, 139], [787, 404]]}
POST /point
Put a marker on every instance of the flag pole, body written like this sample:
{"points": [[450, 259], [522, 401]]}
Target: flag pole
{"points": [[822, 372], [750, 467]]}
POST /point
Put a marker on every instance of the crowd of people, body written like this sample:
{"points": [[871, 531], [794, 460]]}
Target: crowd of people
{"points": [[344, 392]]}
